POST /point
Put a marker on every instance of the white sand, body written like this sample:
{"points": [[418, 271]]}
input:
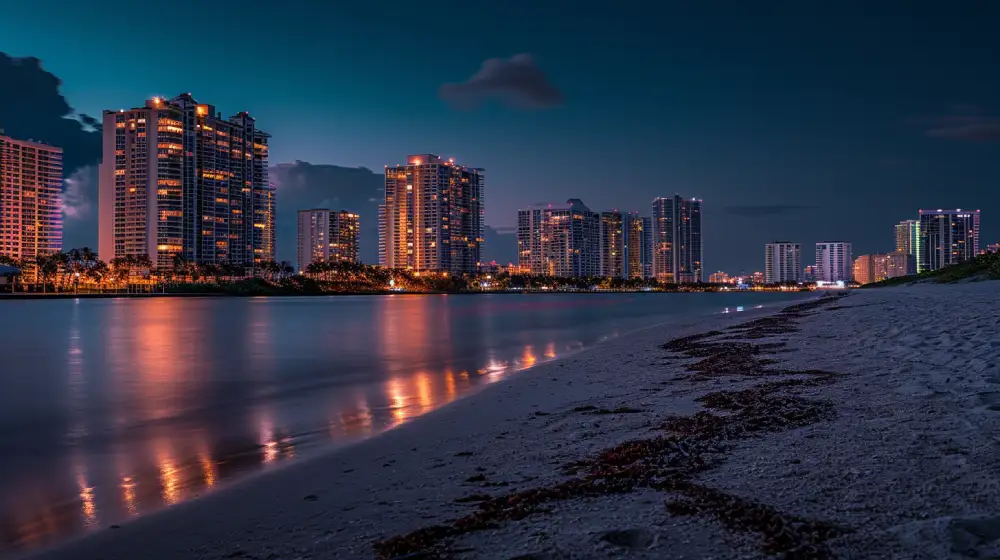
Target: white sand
{"points": [[910, 462]]}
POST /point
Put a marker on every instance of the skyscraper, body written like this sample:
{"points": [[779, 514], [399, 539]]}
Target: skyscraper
{"points": [[677, 244], [638, 246], [30, 198], [833, 262], [947, 237], [177, 179], [908, 242], [612, 245], [325, 235], [559, 241], [782, 262], [432, 218]]}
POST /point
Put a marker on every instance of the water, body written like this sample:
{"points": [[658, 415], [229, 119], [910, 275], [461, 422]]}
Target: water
{"points": [[111, 409]]}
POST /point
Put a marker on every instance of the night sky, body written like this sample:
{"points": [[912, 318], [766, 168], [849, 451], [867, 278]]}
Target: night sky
{"points": [[790, 121]]}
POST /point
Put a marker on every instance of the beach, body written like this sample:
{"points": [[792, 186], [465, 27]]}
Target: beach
{"points": [[851, 427]]}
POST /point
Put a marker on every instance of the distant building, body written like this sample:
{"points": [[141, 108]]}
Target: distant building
{"points": [[562, 241], [908, 242], [878, 267], [993, 248], [612, 245], [677, 241], [325, 235], [834, 262], [431, 219], [947, 237], [719, 277], [782, 262], [758, 278], [30, 198], [178, 180], [638, 246], [809, 273]]}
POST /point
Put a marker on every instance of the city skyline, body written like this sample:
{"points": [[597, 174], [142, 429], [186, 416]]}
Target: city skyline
{"points": [[920, 132]]}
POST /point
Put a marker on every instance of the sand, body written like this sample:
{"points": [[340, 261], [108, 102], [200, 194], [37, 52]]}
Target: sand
{"points": [[872, 433]]}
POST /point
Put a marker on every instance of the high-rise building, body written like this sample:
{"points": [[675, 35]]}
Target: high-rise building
{"points": [[677, 243], [719, 277], [947, 237], [833, 262], [638, 246], [782, 262], [908, 242], [559, 241], [612, 245], [878, 267], [177, 179], [432, 217], [326, 235], [30, 198]]}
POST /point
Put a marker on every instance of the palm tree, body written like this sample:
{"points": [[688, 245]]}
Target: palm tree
{"points": [[286, 269]]}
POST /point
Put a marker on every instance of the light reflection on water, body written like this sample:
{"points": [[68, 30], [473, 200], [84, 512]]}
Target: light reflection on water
{"points": [[115, 408]]}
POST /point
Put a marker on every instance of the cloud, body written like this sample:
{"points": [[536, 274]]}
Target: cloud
{"points": [[965, 122], [35, 109], [303, 185], [768, 209], [79, 193], [517, 81]]}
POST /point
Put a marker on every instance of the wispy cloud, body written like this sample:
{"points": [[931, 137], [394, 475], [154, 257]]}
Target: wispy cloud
{"points": [[517, 81], [964, 122]]}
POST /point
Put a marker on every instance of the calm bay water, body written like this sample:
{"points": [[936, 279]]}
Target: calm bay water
{"points": [[115, 408]]}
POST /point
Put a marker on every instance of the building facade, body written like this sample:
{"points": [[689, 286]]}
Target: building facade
{"points": [[613, 245], [326, 235], [908, 242], [834, 262], [561, 241], [30, 199], [947, 237], [179, 180], [432, 216], [719, 277], [782, 262], [677, 242], [638, 246], [878, 267]]}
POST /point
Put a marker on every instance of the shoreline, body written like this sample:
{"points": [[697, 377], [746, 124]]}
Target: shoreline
{"points": [[862, 428], [39, 296], [278, 476]]}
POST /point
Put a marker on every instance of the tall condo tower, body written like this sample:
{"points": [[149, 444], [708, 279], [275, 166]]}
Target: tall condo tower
{"points": [[432, 216], [677, 242], [178, 180], [30, 198]]}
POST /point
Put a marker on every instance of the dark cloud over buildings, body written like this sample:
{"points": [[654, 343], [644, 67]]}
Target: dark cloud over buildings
{"points": [[302, 185], [517, 81], [35, 109]]}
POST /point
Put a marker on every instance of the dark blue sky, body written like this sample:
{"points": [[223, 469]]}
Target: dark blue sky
{"points": [[790, 121]]}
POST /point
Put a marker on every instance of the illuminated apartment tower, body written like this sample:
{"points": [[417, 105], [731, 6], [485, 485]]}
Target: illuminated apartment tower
{"points": [[875, 268], [562, 241], [782, 262], [947, 237], [638, 246], [677, 245], [612, 239], [432, 219], [178, 179], [908, 242], [30, 199], [325, 235], [833, 262]]}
